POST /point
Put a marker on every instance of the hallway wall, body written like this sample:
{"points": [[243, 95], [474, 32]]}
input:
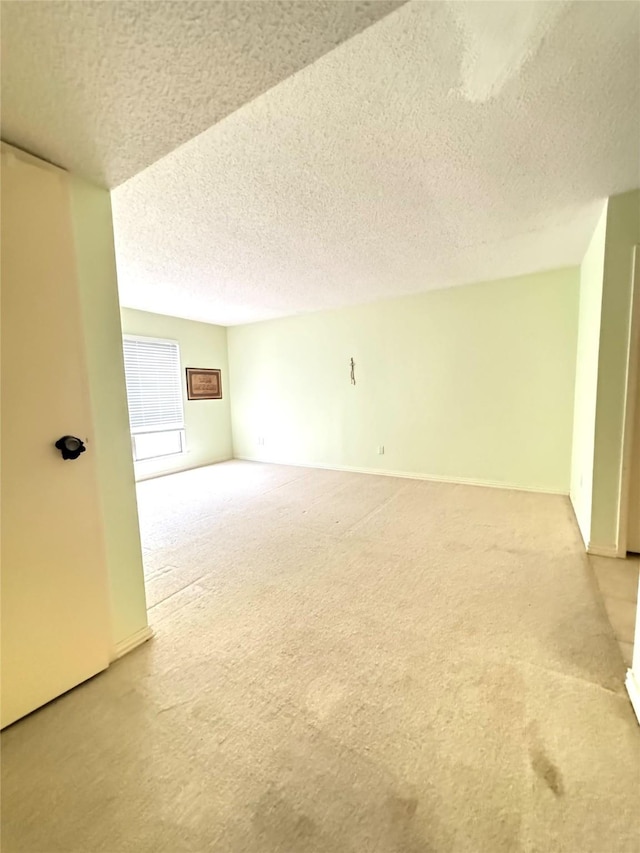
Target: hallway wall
{"points": [[98, 288]]}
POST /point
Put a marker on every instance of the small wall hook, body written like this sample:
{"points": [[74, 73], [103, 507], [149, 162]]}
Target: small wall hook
{"points": [[353, 372], [70, 446]]}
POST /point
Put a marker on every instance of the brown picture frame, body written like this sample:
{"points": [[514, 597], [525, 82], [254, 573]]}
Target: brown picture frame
{"points": [[204, 383]]}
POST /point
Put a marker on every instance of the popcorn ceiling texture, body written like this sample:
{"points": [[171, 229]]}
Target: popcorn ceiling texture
{"points": [[449, 143], [438, 147], [106, 88], [499, 38]]}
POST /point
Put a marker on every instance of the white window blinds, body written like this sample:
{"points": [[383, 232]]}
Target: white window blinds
{"points": [[154, 387]]}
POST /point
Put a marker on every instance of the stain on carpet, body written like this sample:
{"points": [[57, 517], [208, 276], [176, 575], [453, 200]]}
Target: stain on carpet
{"points": [[544, 768]]}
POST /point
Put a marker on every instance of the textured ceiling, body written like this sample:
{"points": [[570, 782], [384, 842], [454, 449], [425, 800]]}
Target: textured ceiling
{"points": [[106, 88], [448, 143]]}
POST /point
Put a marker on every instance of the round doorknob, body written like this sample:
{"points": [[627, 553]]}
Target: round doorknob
{"points": [[70, 446]]}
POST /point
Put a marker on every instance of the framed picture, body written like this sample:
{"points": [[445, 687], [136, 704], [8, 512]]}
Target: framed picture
{"points": [[203, 384]]}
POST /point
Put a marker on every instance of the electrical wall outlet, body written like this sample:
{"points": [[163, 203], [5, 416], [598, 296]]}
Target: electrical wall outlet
{"points": [[381, 450], [260, 441]]}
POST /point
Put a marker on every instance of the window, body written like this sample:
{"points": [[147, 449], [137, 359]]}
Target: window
{"points": [[154, 391]]}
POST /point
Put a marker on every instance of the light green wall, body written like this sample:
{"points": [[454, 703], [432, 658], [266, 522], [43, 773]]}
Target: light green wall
{"points": [[207, 422], [93, 232], [584, 418], [623, 233], [471, 383]]}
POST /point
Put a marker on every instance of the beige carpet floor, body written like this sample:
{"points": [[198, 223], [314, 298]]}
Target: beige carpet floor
{"points": [[343, 663]]}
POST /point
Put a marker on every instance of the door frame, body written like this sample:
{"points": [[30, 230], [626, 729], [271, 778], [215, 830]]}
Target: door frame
{"points": [[632, 399]]}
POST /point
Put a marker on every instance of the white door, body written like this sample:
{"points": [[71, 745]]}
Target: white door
{"points": [[55, 628]]}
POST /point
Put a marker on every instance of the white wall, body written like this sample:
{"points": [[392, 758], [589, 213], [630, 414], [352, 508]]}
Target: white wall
{"points": [[472, 383], [606, 284], [623, 233], [98, 289], [584, 418], [207, 422]]}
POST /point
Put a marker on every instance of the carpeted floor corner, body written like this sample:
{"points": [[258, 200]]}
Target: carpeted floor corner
{"points": [[343, 663]]}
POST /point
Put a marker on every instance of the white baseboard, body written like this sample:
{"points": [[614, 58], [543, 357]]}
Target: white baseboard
{"points": [[633, 689], [591, 547], [130, 643], [408, 475], [603, 550]]}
